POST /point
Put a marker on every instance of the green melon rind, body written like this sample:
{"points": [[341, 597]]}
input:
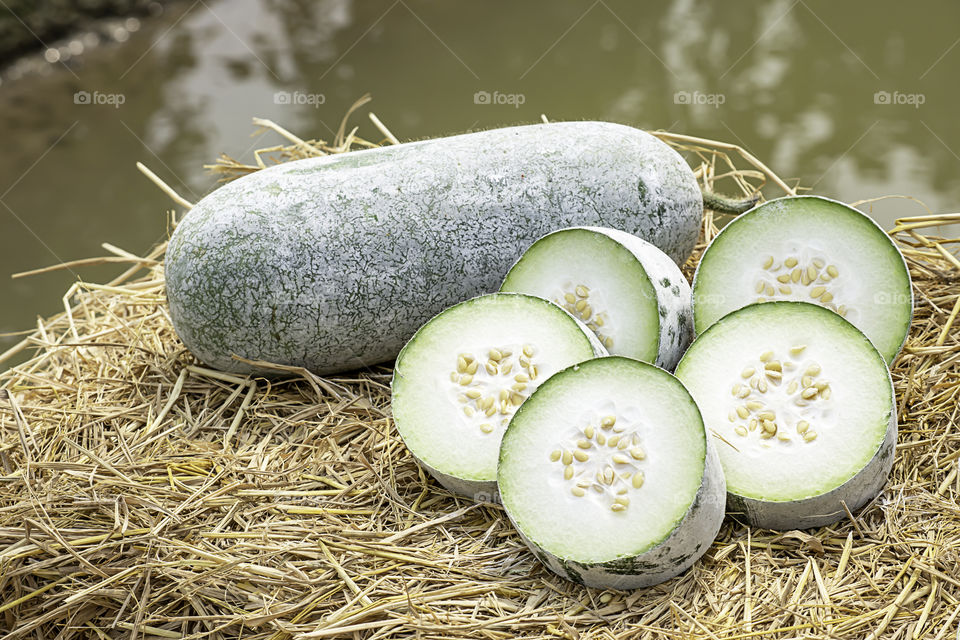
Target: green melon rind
{"points": [[480, 490], [666, 559], [826, 508], [889, 354], [674, 299], [332, 263]]}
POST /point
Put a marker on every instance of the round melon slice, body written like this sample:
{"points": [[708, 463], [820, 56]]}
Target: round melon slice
{"points": [[804, 410], [629, 292], [608, 475], [810, 249], [461, 377]]}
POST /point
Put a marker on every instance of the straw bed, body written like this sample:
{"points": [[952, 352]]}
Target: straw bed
{"points": [[145, 496]]}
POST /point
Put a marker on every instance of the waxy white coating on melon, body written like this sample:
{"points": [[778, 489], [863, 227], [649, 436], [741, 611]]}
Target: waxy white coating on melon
{"points": [[803, 408], [607, 473], [462, 376], [332, 263], [809, 249], [625, 289]]}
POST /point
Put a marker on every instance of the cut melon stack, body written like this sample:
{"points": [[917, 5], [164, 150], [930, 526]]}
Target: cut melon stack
{"points": [[616, 473], [799, 390]]}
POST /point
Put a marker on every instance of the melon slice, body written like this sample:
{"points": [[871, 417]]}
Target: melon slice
{"points": [[629, 292], [810, 249], [608, 475], [462, 376], [803, 407]]}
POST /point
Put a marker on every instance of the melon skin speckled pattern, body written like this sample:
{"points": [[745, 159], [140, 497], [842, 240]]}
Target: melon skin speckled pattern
{"points": [[332, 263]]}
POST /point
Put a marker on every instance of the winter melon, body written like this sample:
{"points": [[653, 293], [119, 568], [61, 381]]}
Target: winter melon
{"points": [[810, 249], [608, 474], [628, 292], [462, 376], [803, 410], [333, 263]]}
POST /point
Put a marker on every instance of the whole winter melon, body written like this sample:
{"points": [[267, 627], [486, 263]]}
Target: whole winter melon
{"points": [[333, 263]]}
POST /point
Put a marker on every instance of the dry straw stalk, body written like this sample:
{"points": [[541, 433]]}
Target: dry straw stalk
{"points": [[145, 496]]}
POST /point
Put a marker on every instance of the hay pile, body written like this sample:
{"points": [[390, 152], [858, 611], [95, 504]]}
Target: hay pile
{"points": [[145, 496]]}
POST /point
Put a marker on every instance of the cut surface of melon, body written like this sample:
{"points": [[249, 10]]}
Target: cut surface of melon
{"points": [[607, 474], [810, 249], [803, 408], [462, 376], [628, 292]]}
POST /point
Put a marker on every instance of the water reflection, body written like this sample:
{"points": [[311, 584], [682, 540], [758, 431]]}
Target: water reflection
{"points": [[797, 79]]}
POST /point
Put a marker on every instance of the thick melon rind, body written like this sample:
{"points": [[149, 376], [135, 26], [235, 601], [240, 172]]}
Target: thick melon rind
{"points": [[332, 263], [477, 490]]}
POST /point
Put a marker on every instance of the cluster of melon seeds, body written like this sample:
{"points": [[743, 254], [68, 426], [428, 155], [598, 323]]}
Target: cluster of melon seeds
{"points": [[792, 385], [602, 461], [576, 300], [812, 280], [491, 388]]}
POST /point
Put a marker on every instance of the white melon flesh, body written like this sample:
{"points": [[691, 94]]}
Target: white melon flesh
{"points": [[462, 376], [810, 249], [803, 409], [608, 475], [630, 293]]}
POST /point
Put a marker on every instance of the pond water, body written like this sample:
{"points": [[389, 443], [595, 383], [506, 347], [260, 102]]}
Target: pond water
{"points": [[855, 101]]}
